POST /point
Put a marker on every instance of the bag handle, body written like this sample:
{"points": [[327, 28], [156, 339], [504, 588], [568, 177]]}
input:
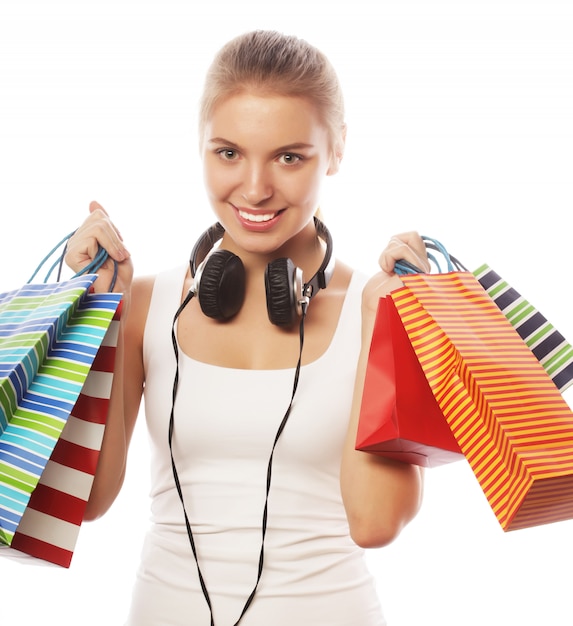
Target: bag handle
{"points": [[91, 268], [402, 266]]}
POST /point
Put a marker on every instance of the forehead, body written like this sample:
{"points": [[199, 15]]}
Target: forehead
{"points": [[249, 116]]}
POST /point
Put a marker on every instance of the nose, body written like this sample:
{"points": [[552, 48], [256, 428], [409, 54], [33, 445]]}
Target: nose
{"points": [[257, 184]]}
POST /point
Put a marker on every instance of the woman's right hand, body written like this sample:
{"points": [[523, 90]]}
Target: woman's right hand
{"points": [[98, 230], [408, 246]]}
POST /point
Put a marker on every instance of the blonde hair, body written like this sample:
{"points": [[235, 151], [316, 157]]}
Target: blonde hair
{"points": [[270, 62]]}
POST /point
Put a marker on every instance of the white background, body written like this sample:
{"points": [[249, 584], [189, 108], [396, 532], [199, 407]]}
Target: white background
{"points": [[460, 119]]}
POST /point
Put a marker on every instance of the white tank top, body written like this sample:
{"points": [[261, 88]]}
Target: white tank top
{"points": [[225, 423]]}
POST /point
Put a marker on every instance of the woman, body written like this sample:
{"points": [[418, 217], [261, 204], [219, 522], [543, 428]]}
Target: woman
{"points": [[260, 503]]}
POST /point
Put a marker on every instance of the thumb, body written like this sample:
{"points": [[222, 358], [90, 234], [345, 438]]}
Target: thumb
{"points": [[96, 206]]}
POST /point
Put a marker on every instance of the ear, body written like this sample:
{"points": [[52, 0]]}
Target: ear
{"points": [[337, 152]]}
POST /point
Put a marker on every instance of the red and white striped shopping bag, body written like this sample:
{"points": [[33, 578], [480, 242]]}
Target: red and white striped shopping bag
{"points": [[51, 524]]}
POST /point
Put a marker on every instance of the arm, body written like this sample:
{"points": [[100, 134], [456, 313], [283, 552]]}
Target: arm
{"points": [[128, 376], [127, 390], [380, 495]]}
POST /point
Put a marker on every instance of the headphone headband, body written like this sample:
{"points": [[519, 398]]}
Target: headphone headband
{"points": [[204, 245], [324, 273]]}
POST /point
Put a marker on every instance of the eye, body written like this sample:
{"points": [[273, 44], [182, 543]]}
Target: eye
{"points": [[228, 154], [289, 158]]}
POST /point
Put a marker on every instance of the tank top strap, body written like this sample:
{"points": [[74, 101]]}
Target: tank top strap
{"points": [[165, 300]]}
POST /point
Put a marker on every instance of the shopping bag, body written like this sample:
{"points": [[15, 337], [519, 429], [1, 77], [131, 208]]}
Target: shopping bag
{"points": [[51, 523], [49, 337], [507, 415], [57, 347], [548, 345], [399, 416]]}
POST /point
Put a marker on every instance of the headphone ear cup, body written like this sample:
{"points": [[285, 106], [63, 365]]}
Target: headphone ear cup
{"points": [[281, 297], [221, 289]]}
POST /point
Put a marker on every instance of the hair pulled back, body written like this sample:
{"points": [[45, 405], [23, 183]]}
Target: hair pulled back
{"points": [[269, 62]]}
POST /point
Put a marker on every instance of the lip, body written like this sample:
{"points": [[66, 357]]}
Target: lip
{"points": [[257, 226]]}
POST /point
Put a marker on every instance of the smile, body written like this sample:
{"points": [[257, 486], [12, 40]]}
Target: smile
{"points": [[256, 217]]}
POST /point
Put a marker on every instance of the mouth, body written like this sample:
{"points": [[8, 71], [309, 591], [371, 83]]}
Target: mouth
{"points": [[257, 218]]}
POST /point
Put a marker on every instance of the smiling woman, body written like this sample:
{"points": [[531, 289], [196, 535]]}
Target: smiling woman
{"points": [[265, 158], [459, 125], [302, 322]]}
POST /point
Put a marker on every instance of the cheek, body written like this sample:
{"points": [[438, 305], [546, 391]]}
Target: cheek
{"points": [[216, 182], [307, 187]]}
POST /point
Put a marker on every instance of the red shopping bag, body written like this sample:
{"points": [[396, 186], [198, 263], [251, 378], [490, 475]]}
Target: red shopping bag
{"points": [[507, 415], [399, 416]]}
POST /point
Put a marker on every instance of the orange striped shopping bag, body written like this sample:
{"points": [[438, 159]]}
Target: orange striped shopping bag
{"points": [[508, 417]]}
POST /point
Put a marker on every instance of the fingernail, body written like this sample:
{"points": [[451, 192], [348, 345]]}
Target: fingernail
{"points": [[122, 254]]}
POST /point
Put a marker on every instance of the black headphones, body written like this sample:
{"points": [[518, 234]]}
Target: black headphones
{"points": [[219, 279]]}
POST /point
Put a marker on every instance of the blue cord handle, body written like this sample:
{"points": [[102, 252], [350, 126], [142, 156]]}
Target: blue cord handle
{"points": [[402, 266], [91, 268]]}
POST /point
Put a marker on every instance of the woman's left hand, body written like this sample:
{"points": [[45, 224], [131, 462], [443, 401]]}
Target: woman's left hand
{"points": [[405, 246]]}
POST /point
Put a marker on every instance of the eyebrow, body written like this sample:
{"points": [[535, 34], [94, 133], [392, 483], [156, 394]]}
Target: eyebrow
{"points": [[288, 148], [222, 141]]}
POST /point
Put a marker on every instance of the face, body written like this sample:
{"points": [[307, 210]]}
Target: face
{"points": [[265, 158]]}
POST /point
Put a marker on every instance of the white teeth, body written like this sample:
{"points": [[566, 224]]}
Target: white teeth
{"points": [[257, 217]]}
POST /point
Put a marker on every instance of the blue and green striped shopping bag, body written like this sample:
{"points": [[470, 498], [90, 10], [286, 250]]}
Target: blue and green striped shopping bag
{"points": [[50, 526], [548, 345], [50, 335]]}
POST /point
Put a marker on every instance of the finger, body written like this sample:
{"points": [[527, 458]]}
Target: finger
{"points": [[406, 246], [95, 206], [97, 230], [410, 241], [388, 260], [97, 209]]}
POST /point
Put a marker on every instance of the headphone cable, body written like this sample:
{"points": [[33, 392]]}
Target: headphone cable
{"points": [[269, 466]]}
